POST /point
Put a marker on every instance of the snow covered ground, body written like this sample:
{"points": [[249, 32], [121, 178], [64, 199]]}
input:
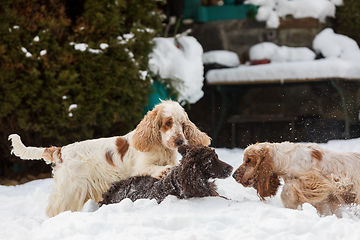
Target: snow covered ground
{"points": [[243, 216]]}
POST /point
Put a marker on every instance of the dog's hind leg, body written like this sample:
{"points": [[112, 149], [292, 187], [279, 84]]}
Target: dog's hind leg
{"points": [[68, 198]]}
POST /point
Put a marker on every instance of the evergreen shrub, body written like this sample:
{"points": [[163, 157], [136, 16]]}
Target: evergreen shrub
{"points": [[73, 70], [348, 19]]}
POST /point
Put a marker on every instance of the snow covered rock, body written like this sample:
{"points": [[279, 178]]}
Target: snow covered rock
{"points": [[274, 53], [182, 63], [332, 45], [271, 11], [222, 57]]}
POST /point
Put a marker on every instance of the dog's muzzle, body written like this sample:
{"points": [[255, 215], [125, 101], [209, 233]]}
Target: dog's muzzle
{"points": [[228, 170], [179, 142]]}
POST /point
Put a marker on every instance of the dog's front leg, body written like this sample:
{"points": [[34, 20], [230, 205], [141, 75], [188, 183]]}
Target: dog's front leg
{"points": [[162, 171], [155, 171], [290, 195]]}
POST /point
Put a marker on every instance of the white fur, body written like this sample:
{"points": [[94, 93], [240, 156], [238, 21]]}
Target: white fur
{"points": [[82, 170], [326, 181]]}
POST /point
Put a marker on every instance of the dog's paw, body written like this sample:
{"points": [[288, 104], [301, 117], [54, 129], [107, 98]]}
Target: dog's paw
{"points": [[164, 172]]}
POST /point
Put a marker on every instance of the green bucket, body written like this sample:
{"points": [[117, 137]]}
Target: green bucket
{"points": [[159, 92]]}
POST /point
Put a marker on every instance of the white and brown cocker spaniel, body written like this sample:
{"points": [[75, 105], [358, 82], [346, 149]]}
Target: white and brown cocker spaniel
{"points": [[321, 177], [84, 170]]}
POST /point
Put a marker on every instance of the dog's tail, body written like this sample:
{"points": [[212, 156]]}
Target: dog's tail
{"points": [[23, 152]]}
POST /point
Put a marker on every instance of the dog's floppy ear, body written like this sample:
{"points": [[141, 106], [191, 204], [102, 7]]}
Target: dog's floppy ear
{"points": [[184, 149], [189, 175], [194, 135], [147, 132], [266, 181]]}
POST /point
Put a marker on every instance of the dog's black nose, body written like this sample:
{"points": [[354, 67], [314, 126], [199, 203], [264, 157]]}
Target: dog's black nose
{"points": [[179, 142], [228, 170]]}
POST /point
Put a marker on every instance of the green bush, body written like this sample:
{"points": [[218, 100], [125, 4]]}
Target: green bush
{"points": [[348, 19], [42, 74]]}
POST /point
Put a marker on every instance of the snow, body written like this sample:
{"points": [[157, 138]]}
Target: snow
{"points": [[143, 74], [291, 71], [332, 45], [104, 46], [181, 63], [95, 51], [271, 51], [71, 108], [222, 57], [342, 60], [81, 46], [271, 11], [241, 216], [27, 53], [84, 46]]}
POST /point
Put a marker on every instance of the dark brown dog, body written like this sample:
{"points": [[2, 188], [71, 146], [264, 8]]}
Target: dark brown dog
{"points": [[190, 179]]}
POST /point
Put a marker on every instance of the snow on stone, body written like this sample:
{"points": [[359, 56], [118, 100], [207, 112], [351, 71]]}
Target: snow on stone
{"points": [[183, 63], [342, 61], [273, 52], [271, 11], [36, 39], [43, 52], [332, 45], [222, 57]]}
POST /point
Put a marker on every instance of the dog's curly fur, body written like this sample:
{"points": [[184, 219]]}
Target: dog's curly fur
{"points": [[321, 177], [190, 179], [84, 170]]}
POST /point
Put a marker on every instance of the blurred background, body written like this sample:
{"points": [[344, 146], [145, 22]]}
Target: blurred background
{"points": [[72, 70]]}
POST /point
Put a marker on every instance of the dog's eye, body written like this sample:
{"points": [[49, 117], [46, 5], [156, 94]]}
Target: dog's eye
{"points": [[248, 160], [168, 123]]}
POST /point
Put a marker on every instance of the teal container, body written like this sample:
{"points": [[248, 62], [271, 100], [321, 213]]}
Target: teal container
{"points": [[226, 12], [194, 10], [159, 92]]}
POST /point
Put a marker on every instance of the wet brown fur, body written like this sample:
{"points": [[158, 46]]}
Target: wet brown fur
{"points": [[190, 179]]}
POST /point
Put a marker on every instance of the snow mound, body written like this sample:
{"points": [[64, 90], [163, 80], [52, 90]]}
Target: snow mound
{"points": [[183, 62], [273, 52], [271, 11], [222, 57], [332, 45]]}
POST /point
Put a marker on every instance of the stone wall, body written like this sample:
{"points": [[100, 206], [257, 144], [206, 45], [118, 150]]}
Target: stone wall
{"points": [[239, 35]]}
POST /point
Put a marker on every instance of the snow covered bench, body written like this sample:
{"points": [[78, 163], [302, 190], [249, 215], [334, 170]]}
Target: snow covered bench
{"points": [[334, 70], [285, 72]]}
